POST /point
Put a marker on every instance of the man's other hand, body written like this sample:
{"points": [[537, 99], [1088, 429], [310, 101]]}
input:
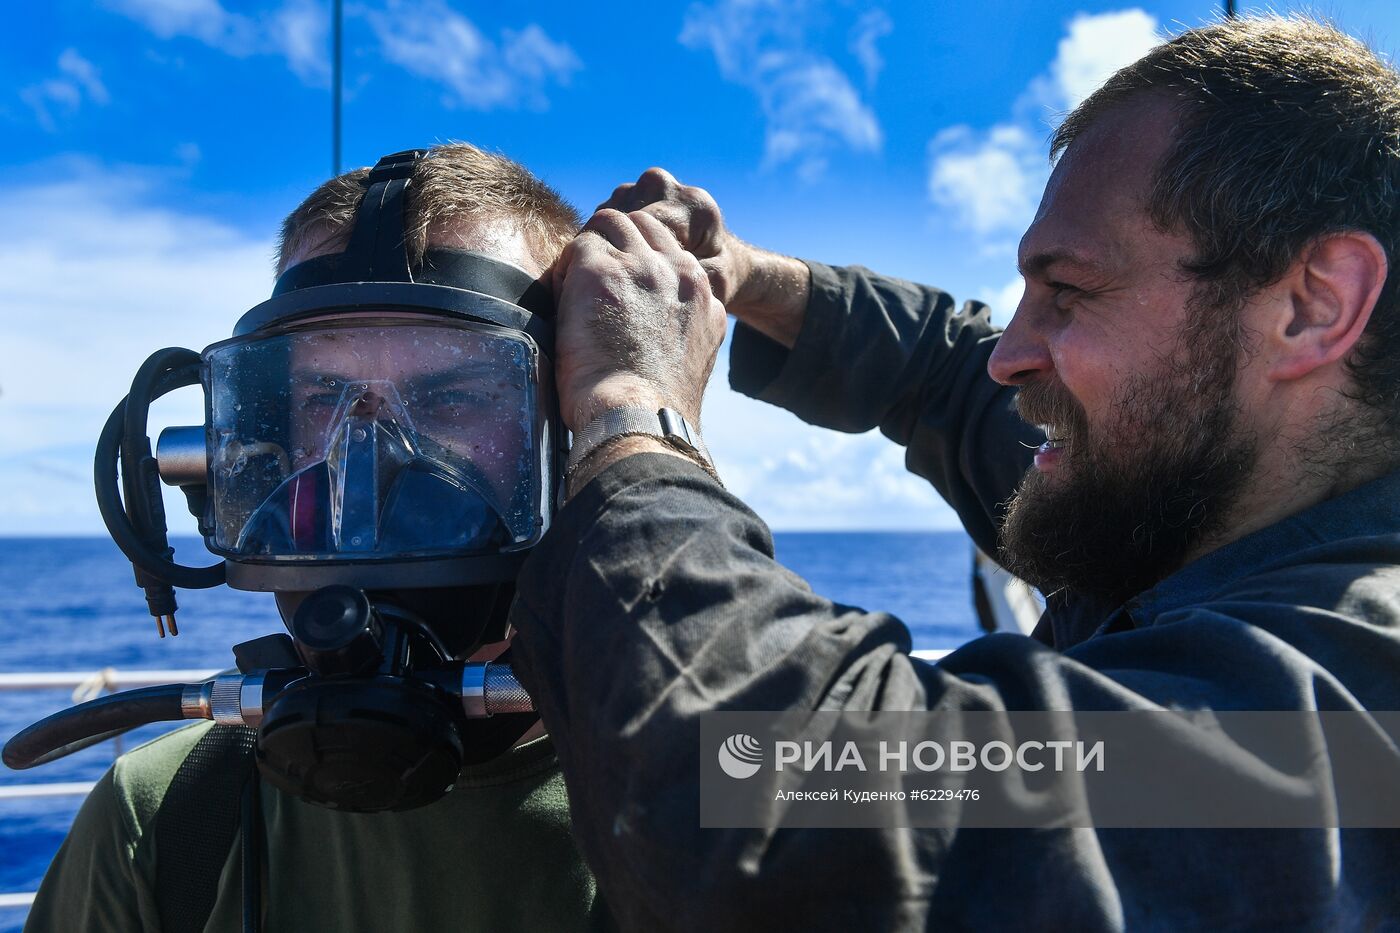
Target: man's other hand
{"points": [[638, 324], [763, 289], [695, 220]]}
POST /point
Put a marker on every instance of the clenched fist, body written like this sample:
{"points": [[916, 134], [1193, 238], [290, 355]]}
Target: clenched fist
{"points": [[695, 220], [765, 290], [637, 321]]}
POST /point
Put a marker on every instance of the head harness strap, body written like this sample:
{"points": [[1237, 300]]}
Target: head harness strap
{"points": [[378, 244], [456, 268]]}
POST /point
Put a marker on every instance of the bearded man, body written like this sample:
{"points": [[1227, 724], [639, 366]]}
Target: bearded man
{"points": [[1209, 344]]}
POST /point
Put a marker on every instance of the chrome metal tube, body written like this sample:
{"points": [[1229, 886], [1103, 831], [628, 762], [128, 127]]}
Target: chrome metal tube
{"points": [[180, 456], [490, 689], [226, 700], [195, 700], [250, 699], [474, 690], [503, 692]]}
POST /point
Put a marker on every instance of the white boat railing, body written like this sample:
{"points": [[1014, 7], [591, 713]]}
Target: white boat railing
{"points": [[107, 679], [88, 684], [49, 789]]}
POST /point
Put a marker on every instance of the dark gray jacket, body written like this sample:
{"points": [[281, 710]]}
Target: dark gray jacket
{"points": [[655, 598]]}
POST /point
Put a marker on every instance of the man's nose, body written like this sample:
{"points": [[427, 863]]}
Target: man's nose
{"points": [[1021, 353], [367, 405]]}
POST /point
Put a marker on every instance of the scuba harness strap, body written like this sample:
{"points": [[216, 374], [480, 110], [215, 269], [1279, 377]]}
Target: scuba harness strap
{"points": [[196, 825]]}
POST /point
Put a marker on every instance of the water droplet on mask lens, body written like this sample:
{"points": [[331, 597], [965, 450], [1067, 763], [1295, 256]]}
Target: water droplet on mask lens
{"points": [[358, 434], [238, 407], [355, 540]]}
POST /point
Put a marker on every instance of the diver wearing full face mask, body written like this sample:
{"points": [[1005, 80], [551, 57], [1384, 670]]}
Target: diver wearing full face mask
{"points": [[380, 451]]}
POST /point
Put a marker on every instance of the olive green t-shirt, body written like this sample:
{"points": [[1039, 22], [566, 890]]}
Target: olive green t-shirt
{"points": [[495, 854]]}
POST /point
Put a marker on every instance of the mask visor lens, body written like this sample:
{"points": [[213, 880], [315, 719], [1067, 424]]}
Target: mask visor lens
{"points": [[395, 437]]}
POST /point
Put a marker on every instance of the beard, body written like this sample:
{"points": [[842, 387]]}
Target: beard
{"points": [[1128, 502]]}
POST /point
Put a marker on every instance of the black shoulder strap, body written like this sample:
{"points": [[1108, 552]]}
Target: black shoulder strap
{"points": [[196, 825]]}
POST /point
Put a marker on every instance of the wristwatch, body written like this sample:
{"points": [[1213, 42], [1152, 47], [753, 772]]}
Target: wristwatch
{"points": [[667, 424]]}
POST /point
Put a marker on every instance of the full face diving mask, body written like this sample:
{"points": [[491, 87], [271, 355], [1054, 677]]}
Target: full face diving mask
{"points": [[380, 442]]}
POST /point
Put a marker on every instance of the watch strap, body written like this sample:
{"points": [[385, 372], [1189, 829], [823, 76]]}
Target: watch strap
{"points": [[666, 424]]}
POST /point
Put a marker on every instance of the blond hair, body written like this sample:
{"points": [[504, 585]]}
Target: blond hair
{"points": [[454, 181]]}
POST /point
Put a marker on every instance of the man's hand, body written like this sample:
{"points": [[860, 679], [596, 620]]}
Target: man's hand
{"points": [[638, 324], [764, 290]]}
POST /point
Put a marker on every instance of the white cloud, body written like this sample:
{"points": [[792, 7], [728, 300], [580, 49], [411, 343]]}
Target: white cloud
{"points": [[429, 39], [991, 180], [84, 73], [205, 20], [810, 106], [93, 281], [1003, 300], [1096, 47], [64, 95], [530, 53], [298, 31], [797, 477], [872, 26], [424, 37], [44, 97]]}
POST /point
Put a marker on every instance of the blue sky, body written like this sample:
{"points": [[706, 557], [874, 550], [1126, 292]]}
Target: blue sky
{"points": [[152, 147]]}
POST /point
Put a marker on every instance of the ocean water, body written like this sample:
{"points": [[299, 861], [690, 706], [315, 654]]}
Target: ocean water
{"points": [[71, 605]]}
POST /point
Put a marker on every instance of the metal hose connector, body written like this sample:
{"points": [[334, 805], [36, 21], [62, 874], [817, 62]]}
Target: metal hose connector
{"points": [[491, 689], [504, 693]]}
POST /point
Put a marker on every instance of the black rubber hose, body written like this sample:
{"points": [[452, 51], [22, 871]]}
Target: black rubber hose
{"points": [[74, 729], [162, 371], [109, 503]]}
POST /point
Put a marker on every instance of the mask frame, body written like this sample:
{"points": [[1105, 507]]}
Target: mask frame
{"points": [[283, 313]]}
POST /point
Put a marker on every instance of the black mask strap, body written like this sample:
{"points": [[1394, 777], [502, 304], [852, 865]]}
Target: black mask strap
{"points": [[378, 245], [455, 268]]}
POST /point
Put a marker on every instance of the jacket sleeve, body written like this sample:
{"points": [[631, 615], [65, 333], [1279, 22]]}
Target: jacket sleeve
{"points": [[90, 886], [881, 352], [655, 598]]}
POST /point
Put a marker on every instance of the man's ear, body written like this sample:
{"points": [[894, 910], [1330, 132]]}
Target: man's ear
{"points": [[1329, 295]]}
